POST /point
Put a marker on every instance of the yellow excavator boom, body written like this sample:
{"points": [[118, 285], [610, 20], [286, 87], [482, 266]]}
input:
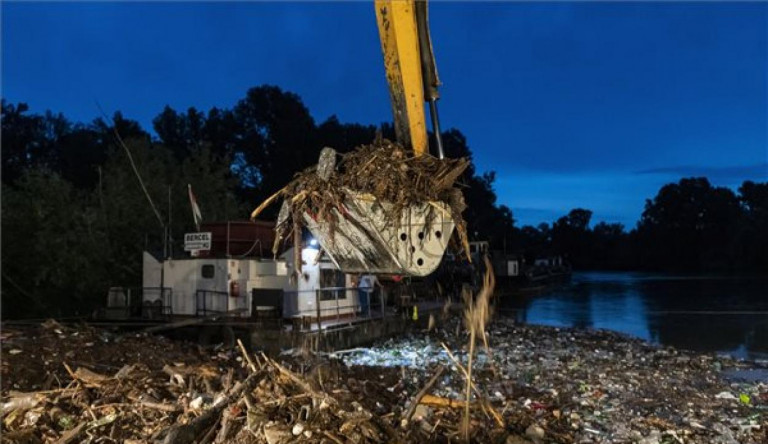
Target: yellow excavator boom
{"points": [[410, 69], [364, 238], [402, 61]]}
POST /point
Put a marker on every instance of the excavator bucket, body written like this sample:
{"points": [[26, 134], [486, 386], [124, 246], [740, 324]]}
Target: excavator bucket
{"points": [[367, 239]]}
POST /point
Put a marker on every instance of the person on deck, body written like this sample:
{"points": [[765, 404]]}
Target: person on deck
{"points": [[365, 288]]}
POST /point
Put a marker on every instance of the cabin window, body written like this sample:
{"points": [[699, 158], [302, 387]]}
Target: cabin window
{"points": [[208, 271], [331, 278], [332, 294], [331, 285]]}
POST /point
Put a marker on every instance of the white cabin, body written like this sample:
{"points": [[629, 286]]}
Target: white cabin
{"points": [[228, 270], [321, 283], [203, 286]]}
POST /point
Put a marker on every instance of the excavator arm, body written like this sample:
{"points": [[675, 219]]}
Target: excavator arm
{"points": [[410, 68], [364, 238]]}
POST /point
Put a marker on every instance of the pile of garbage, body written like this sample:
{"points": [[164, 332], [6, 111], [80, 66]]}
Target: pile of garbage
{"points": [[533, 385], [384, 171], [593, 386], [64, 384]]}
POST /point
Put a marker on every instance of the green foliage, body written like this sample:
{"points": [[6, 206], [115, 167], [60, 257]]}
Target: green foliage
{"points": [[50, 242], [64, 245], [129, 221]]}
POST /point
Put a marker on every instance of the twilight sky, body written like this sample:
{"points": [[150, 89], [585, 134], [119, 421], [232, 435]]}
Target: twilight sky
{"points": [[592, 105]]}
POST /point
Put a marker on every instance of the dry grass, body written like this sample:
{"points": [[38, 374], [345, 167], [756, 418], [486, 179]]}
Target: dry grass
{"points": [[477, 313]]}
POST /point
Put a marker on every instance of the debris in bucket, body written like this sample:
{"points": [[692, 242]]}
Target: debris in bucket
{"points": [[383, 171]]}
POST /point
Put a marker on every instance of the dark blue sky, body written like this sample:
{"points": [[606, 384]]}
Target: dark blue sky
{"points": [[572, 104]]}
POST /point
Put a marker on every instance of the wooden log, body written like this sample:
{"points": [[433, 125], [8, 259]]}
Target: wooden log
{"points": [[89, 377], [246, 355], [422, 393], [438, 401], [190, 432], [226, 425], [169, 408], [71, 435]]}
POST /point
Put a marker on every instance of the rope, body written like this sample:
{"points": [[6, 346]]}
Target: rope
{"points": [[36, 299], [255, 242], [133, 165]]}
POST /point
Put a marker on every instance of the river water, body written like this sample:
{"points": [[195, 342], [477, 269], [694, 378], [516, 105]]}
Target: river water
{"points": [[708, 314]]}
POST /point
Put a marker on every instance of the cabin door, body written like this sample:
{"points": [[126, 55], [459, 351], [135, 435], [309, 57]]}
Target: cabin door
{"points": [[211, 288], [333, 295]]}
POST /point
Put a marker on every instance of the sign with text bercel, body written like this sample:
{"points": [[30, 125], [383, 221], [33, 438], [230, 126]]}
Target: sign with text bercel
{"points": [[197, 241]]}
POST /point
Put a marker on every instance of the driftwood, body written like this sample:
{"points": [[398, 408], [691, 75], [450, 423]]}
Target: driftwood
{"points": [[417, 399], [438, 401], [136, 404], [169, 394], [247, 355], [485, 404], [187, 433], [72, 434], [90, 377], [223, 433], [295, 379], [165, 407]]}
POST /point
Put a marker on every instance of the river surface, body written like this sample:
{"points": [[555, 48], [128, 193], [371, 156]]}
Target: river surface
{"points": [[708, 314]]}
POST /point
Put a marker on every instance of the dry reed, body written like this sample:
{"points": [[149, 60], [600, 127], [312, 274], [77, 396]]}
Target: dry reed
{"points": [[477, 313]]}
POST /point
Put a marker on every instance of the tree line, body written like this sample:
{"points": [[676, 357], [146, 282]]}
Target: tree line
{"points": [[75, 219], [690, 226]]}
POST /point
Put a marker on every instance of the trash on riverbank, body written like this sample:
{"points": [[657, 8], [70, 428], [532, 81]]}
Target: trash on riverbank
{"points": [[545, 385], [594, 386]]}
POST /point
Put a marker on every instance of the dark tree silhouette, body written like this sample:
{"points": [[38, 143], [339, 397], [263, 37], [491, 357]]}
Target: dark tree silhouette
{"points": [[28, 140], [344, 137], [753, 232], [690, 225], [570, 236], [275, 139]]}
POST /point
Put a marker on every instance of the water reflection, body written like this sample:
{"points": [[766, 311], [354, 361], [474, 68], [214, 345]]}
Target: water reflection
{"points": [[697, 313]]}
